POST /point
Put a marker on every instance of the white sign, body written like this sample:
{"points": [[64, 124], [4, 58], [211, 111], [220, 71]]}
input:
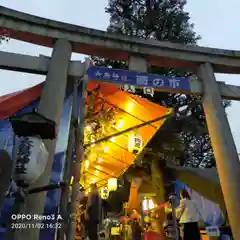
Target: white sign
{"points": [[148, 91]]}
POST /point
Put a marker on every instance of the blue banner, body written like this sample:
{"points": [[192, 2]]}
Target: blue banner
{"points": [[138, 79]]}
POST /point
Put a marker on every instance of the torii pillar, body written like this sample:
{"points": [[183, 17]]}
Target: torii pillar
{"points": [[224, 148], [51, 104]]}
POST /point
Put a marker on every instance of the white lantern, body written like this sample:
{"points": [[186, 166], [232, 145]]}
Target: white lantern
{"points": [[30, 160], [135, 143], [104, 193], [148, 204], [112, 184]]}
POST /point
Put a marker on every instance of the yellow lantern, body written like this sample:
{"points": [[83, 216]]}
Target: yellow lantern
{"points": [[135, 143], [112, 184], [104, 193]]}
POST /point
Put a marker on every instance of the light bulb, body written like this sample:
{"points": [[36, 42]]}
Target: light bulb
{"points": [[88, 127], [120, 124], [105, 149], [151, 204], [130, 106], [86, 163]]}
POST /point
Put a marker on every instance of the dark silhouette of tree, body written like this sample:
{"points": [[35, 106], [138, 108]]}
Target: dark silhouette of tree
{"points": [[184, 140]]}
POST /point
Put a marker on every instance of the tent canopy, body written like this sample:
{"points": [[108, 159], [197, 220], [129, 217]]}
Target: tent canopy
{"points": [[118, 110], [112, 157]]}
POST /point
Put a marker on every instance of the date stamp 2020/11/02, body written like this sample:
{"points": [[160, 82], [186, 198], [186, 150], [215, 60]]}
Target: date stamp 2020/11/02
{"points": [[21, 221], [36, 225]]}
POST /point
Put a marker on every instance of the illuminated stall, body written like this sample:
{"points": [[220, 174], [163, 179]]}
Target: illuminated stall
{"points": [[111, 112]]}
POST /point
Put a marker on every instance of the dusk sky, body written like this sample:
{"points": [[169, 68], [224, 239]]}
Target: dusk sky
{"points": [[216, 22]]}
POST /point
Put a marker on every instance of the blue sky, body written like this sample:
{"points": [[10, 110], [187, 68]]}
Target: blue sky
{"points": [[214, 20]]}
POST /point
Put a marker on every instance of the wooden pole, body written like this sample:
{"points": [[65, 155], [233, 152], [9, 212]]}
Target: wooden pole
{"points": [[67, 176], [79, 138]]}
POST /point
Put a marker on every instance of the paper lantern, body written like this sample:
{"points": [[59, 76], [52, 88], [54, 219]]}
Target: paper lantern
{"points": [[104, 193], [112, 184], [147, 204], [30, 160], [135, 143]]}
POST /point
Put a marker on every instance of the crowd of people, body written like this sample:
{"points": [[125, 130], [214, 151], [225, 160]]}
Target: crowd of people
{"points": [[188, 216]]}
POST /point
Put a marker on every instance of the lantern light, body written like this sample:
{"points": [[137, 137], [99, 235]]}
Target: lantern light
{"points": [[148, 204], [130, 106], [104, 193], [135, 143], [120, 124], [113, 139], [89, 128], [112, 184], [93, 180], [86, 164], [151, 204], [100, 160], [105, 149]]}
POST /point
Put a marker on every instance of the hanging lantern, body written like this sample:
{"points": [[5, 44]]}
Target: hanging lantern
{"points": [[30, 160], [104, 193], [147, 204], [112, 184], [135, 143]]}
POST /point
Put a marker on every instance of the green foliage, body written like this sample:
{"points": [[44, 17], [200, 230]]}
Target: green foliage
{"points": [[164, 20], [184, 140]]}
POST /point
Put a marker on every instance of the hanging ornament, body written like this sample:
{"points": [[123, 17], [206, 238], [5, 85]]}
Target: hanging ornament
{"points": [[104, 193], [112, 184], [135, 143]]}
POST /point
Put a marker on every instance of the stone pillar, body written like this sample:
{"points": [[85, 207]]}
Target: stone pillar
{"points": [[224, 148], [51, 104], [138, 64]]}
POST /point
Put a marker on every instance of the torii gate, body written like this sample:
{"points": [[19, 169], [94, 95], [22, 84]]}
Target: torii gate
{"points": [[66, 38]]}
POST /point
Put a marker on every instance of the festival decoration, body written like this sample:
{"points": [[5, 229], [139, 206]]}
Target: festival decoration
{"points": [[30, 161], [112, 184], [104, 193], [135, 143]]}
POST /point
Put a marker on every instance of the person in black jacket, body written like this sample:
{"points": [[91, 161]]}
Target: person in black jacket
{"points": [[93, 213], [136, 230]]}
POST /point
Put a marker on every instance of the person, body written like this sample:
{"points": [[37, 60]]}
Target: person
{"points": [[136, 230], [93, 212], [135, 214], [188, 215]]}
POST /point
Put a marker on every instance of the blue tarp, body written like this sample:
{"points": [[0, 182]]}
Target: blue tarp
{"points": [[53, 196], [210, 212]]}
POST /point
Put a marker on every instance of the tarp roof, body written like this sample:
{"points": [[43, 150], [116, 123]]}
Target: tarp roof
{"points": [[110, 158], [204, 181]]}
